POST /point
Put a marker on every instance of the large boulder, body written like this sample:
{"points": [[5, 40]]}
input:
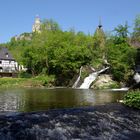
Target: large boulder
{"points": [[104, 81]]}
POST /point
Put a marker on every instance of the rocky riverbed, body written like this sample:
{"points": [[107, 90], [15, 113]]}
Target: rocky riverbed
{"points": [[105, 122]]}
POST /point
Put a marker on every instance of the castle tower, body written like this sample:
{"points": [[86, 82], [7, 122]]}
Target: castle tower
{"points": [[37, 25]]}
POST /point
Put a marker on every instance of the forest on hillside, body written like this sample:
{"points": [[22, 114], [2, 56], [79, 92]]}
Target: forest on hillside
{"points": [[62, 53]]}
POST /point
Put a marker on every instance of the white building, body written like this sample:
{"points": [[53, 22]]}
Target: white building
{"points": [[7, 63]]}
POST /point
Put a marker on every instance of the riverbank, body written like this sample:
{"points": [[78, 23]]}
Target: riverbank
{"points": [[104, 122], [39, 81]]}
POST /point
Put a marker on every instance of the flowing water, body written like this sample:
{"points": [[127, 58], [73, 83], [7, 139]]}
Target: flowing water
{"points": [[137, 77], [88, 80], [105, 122], [78, 79], [26, 100], [92, 77]]}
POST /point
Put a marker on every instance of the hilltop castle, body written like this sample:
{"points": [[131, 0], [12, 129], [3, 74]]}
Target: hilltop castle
{"points": [[35, 28]]}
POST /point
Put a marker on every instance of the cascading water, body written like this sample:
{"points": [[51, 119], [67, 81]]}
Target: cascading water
{"points": [[78, 79], [137, 77], [88, 80]]}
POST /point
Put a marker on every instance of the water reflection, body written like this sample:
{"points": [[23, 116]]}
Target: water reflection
{"points": [[42, 99], [10, 100]]}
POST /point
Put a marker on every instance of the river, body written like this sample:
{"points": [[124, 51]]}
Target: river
{"points": [[66, 114], [27, 100]]}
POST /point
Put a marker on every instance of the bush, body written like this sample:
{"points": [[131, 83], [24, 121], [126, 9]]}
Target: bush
{"points": [[132, 99], [24, 74], [45, 80]]}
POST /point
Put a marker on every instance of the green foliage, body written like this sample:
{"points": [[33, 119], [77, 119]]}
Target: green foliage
{"points": [[62, 53], [113, 85], [45, 80], [84, 74], [99, 38], [121, 55], [50, 25], [121, 59], [17, 46], [24, 74], [39, 81], [107, 86], [56, 52], [121, 31], [98, 48], [132, 99], [11, 82], [136, 32]]}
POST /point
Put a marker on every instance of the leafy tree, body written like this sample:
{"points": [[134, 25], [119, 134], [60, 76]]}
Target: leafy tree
{"points": [[62, 53], [121, 31], [50, 25], [121, 55], [136, 32], [98, 48], [121, 34], [135, 39]]}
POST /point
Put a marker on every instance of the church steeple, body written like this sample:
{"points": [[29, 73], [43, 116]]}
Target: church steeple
{"points": [[99, 35]]}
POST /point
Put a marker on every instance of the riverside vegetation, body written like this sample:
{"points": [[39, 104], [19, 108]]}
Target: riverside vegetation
{"points": [[132, 99], [54, 56]]}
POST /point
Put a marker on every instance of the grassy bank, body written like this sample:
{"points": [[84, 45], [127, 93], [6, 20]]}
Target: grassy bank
{"points": [[39, 81]]}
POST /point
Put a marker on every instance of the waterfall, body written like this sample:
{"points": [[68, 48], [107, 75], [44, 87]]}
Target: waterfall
{"points": [[88, 80], [137, 77], [78, 79]]}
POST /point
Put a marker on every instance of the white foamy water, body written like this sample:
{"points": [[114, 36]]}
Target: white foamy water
{"points": [[88, 80], [78, 79], [137, 77], [120, 89]]}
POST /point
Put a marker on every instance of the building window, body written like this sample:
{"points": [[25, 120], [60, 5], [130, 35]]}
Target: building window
{"points": [[0, 62], [1, 69], [6, 54]]}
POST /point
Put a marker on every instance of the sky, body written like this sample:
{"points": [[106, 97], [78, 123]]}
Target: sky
{"points": [[17, 16]]}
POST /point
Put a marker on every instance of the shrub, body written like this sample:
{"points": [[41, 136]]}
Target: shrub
{"points": [[45, 80], [24, 74], [132, 99]]}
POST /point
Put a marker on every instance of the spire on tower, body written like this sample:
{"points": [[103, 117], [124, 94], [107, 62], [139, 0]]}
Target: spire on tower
{"points": [[37, 15], [100, 24]]}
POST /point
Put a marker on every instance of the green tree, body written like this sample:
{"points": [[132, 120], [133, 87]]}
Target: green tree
{"points": [[136, 32], [50, 25], [121, 34], [121, 55], [135, 38]]}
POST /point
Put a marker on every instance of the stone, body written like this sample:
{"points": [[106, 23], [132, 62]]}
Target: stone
{"points": [[104, 81]]}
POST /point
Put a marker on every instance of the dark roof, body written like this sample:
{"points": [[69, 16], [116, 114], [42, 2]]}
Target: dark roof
{"points": [[5, 54]]}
